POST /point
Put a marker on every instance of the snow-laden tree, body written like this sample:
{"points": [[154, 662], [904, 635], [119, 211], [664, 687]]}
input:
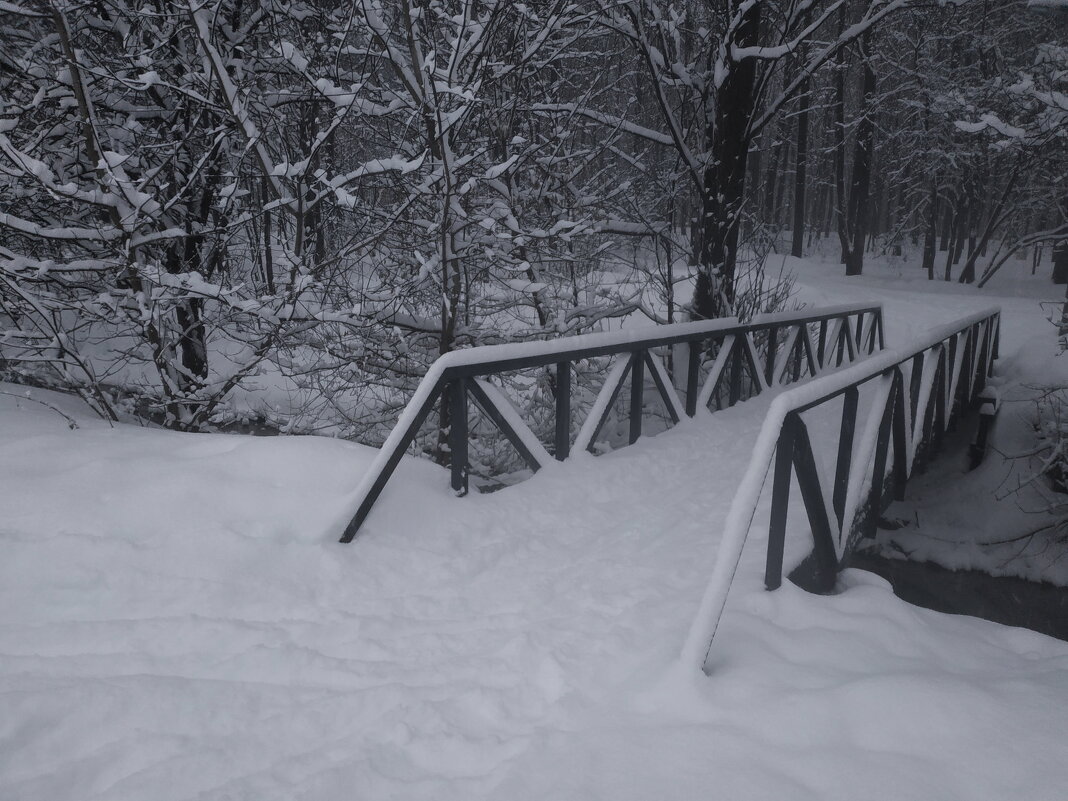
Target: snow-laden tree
{"points": [[127, 150], [715, 80], [1031, 123], [330, 194]]}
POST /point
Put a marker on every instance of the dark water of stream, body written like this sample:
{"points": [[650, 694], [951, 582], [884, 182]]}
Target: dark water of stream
{"points": [[1014, 602]]}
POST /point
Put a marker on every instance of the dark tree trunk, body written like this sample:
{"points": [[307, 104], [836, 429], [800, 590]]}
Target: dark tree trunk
{"points": [[800, 173], [776, 211], [960, 234], [754, 175], [956, 234], [268, 255], [828, 209], [724, 179], [188, 257], [860, 189], [967, 274], [947, 229], [840, 145], [192, 347], [771, 182], [930, 237]]}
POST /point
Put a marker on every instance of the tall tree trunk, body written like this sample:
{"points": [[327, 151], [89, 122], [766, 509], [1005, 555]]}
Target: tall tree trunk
{"points": [[956, 231], [840, 144], [929, 239], [800, 172], [776, 211], [771, 181], [959, 235], [723, 182], [860, 189], [967, 274], [754, 174], [268, 253], [947, 228], [827, 199]]}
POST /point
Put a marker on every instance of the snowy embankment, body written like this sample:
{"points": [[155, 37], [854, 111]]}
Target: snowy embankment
{"points": [[176, 622]]}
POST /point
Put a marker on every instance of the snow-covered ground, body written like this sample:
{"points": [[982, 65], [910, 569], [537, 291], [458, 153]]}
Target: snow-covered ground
{"points": [[178, 622]]}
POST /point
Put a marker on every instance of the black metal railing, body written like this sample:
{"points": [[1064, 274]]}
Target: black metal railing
{"points": [[913, 397], [723, 362]]}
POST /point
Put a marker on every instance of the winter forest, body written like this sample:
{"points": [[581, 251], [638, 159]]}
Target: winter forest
{"points": [[219, 213]]}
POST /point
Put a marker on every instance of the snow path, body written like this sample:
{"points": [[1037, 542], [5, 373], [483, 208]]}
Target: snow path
{"points": [[175, 626]]}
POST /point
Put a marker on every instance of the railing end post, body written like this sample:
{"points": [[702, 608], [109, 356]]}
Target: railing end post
{"points": [[780, 503], [637, 394], [458, 461], [562, 444], [693, 366], [349, 534]]}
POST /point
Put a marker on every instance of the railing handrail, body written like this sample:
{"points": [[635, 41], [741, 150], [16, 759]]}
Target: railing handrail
{"points": [[743, 507], [488, 359], [825, 388]]}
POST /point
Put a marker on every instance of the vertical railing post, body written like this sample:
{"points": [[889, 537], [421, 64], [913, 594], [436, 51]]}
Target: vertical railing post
{"points": [[985, 361], [845, 453], [951, 368], [915, 379], [799, 347], [458, 460], [964, 388], [693, 364], [923, 433], [940, 392], [808, 481], [900, 470], [882, 447], [736, 357], [769, 361], [780, 504], [637, 392], [821, 345], [562, 439]]}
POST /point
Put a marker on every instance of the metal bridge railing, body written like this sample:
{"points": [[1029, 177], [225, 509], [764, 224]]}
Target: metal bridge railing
{"points": [[916, 395], [745, 360]]}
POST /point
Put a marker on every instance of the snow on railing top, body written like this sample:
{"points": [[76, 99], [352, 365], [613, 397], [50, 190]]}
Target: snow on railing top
{"points": [[547, 351], [743, 507]]}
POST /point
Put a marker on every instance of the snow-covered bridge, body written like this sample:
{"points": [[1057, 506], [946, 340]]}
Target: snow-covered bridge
{"points": [[912, 398]]}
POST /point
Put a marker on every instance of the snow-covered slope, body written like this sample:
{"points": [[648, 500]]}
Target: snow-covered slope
{"points": [[176, 622]]}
